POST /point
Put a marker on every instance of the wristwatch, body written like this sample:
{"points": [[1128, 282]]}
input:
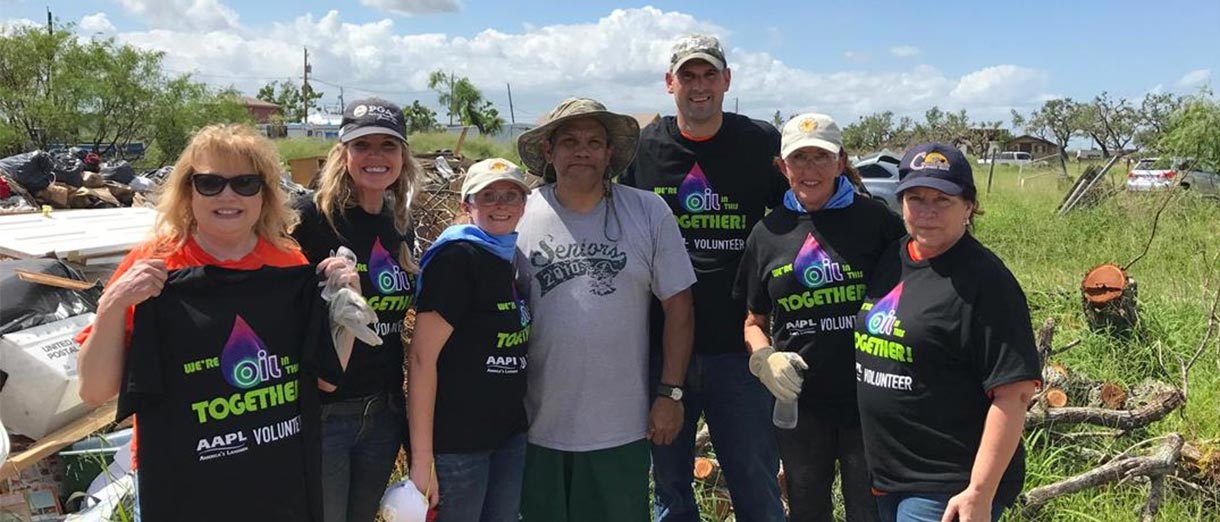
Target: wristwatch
{"points": [[669, 392]]}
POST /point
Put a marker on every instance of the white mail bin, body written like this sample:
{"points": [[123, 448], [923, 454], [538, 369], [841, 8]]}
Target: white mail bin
{"points": [[42, 393]]}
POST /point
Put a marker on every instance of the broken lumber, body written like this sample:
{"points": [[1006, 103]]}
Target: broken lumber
{"points": [[58, 439]]}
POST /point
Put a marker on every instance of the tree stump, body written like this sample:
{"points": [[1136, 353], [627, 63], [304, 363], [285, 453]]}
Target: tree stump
{"points": [[1055, 398], [1108, 298]]}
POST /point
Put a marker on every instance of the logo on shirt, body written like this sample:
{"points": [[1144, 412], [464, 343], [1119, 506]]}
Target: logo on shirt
{"points": [[813, 266], [385, 274], [695, 193], [244, 360], [882, 319], [560, 263]]}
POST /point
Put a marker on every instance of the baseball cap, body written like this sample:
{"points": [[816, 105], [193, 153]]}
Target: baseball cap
{"points": [[372, 116], [937, 166], [697, 46], [489, 171], [810, 130]]}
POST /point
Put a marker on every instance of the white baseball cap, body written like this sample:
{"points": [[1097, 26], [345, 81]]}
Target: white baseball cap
{"points": [[810, 130]]}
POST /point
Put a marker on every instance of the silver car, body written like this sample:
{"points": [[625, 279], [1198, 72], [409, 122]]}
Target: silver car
{"points": [[880, 174]]}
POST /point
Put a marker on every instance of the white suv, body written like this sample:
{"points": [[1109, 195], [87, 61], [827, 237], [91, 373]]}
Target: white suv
{"points": [[1007, 158]]}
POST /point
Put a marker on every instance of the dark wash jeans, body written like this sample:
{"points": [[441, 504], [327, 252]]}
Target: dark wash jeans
{"points": [[921, 507], [482, 486], [809, 453], [360, 440], [738, 411]]}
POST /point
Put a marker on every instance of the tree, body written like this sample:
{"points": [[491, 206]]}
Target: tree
{"points": [[1111, 123], [465, 102], [57, 89], [1057, 120], [1193, 132], [420, 118], [290, 98], [1153, 117], [777, 119], [877, 131]]}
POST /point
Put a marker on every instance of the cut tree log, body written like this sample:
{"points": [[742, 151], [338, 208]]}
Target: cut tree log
{"points": [[706, 468], [1160, 463], [1154, 410], [1055, 397], [1108, 394], [1108, 298]]}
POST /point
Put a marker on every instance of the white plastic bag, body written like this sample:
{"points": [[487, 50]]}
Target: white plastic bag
{"points": [[403, 502]]}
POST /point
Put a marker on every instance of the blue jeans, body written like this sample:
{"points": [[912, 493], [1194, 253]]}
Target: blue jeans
{"points": [[484, 486], [920, 507], [360, 441], [738, 412]]}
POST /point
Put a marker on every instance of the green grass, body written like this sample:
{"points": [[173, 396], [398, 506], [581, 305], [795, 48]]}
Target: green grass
{"points": [[1049, 256], [475, 147]]}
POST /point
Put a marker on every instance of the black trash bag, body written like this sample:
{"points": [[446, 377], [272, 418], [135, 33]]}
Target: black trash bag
{"points": [[68, 169], [31, 170], [119, 171], [27, 304]]}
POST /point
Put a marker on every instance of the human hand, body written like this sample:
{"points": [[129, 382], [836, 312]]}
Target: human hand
{"points": [[143, 280], [970, 505], [340, 272], [780, 372], [424, 479], [665, 420]]}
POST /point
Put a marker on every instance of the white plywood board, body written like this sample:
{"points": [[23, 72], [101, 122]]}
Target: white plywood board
{"points": [[75, 234]]}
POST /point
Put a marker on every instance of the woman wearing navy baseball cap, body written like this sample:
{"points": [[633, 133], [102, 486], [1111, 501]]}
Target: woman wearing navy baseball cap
{"points": [[945, 357]]}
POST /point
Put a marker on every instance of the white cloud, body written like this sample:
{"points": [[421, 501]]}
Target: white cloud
{"points": [[856, 56], [96, 23], [8, 27], [414, 7], [202, 15], [1195, 78], [904, 51], [619, 59]]}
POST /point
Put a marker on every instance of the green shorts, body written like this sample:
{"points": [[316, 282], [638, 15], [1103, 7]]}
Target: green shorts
{"points": [[609, 485]]}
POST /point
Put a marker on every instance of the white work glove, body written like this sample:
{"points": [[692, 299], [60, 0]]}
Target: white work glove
{"points": [[780, 372], [350, 314]]}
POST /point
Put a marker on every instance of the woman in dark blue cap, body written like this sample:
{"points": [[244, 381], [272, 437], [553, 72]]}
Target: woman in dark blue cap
{"points": [[362, 203], [945, 357]]}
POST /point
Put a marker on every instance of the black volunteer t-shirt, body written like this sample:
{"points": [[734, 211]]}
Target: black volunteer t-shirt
{"points": [[809, 272], [386, 287], [480, 387], [222, 372], [717, 189], [933, 338]]}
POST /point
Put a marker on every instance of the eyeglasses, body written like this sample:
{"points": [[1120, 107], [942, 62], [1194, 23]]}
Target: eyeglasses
{"points": [[213, 184], [821, 158], [489, 198]]}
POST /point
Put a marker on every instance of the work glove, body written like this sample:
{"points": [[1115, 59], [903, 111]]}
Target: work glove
{"points": [[350, 314], [780, 372]]}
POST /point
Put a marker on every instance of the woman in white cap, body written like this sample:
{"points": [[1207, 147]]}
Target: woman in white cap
{"points": [[468, 356], [803, 275], [945, 357], [362, 203]]}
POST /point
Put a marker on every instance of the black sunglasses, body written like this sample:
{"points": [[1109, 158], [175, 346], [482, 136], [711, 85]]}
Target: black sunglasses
{"points": [[213, 184]]}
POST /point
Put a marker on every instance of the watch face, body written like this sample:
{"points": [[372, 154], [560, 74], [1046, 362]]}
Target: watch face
{"points": [[675, 394]]}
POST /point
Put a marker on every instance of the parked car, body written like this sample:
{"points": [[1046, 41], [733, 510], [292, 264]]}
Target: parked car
{"points": [[1160, 174], [1151, 174], [1007, 158], [1089, 154], [880, 175]]}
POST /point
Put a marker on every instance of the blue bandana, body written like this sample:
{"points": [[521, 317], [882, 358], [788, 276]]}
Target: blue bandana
{"points": [[502, 246], [843, 197]]}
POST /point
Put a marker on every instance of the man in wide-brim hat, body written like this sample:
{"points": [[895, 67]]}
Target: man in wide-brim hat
{"points": [[595, 253]]}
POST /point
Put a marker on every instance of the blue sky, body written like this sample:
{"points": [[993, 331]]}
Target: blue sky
{"points": [[843, 58]]}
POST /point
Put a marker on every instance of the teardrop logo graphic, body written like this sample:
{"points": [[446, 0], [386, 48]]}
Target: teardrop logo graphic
{"points": [[883, 317], [245, 361], [814, 267], [385, 274], [695, 194]]}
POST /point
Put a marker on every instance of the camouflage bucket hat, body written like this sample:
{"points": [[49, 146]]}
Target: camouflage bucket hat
{"points": [[622, 132]]}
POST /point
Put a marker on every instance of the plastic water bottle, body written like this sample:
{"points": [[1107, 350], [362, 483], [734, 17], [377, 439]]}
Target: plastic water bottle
{"points": [[783, 416]]}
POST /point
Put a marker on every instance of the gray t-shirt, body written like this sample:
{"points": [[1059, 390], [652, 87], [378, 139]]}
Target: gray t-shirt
{"points": [[588, 352]]}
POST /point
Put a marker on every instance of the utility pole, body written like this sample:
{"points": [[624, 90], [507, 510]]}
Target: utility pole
{"points": [[305, 89], [512, 117], [341, 104], [50, 25], [736, 105], [451, 104]]}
